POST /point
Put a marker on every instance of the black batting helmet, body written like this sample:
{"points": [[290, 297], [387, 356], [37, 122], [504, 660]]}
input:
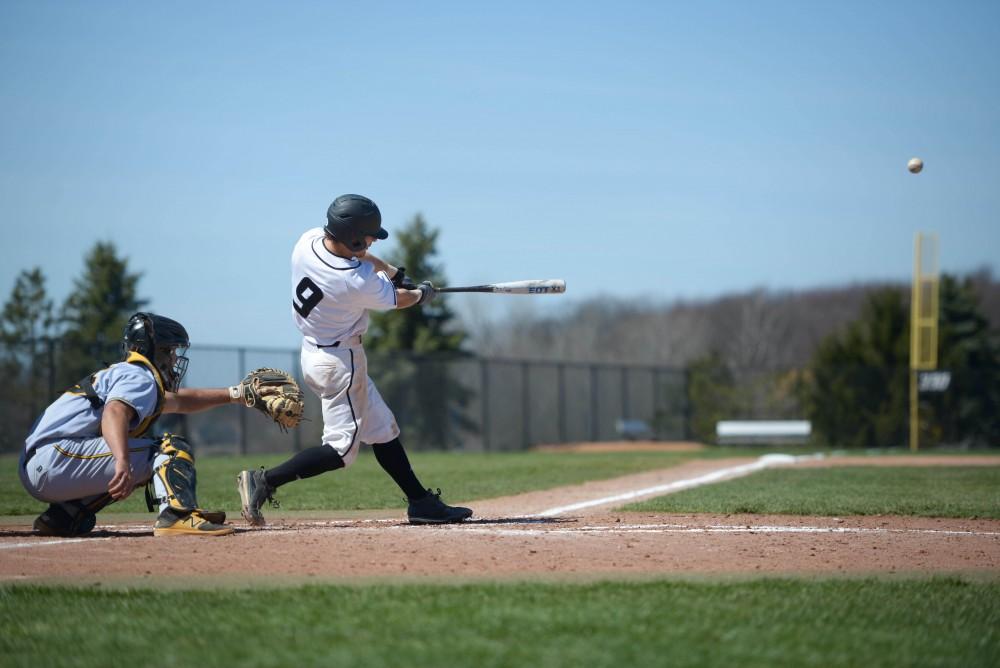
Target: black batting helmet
{"points": [[353, 217], [160, 340]]}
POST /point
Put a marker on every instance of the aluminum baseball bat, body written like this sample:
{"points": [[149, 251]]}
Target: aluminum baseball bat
{"points": [[549, 286]]}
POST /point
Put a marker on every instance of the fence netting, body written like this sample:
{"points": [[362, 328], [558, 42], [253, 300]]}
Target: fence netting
{"points": [[441, 401], [465, 402]]}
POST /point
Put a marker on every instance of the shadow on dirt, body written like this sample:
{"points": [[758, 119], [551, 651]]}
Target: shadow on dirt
{"points": [[100, 533], [519, 520]]}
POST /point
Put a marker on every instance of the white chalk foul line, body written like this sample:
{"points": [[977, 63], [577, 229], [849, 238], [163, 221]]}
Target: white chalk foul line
{"points": [[715, 476], [43, 543], [371, 526], [143, 530], [681, 528]]}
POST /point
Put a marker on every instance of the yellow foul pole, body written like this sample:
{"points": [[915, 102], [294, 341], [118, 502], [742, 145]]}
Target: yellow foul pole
{"points": [[923, 322]]}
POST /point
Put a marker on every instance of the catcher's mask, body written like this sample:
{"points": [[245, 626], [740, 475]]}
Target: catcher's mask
{"points": [[353, 217], [162, 341]]}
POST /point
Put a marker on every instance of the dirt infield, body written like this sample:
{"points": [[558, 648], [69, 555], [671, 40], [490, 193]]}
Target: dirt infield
{"points": [[565, 532]]}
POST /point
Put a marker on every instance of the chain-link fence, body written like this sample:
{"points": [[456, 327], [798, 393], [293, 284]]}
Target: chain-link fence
{"points": [[464, 402], [442, 401]]}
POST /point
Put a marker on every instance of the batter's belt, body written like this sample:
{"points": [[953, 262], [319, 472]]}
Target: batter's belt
{"points": [[354, 341]]}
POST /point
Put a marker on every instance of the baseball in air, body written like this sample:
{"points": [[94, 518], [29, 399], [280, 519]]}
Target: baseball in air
{"points": [[915, 165]]}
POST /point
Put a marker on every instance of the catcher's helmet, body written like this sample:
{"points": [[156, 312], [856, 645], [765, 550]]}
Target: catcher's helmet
{"points": [[353, 217], [160, 340]]}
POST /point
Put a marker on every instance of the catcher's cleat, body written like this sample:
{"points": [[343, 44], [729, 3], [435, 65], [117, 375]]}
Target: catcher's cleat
{"points": [[432, 510], [213, 516], [254, 491], [56, 521], [169, 524]]}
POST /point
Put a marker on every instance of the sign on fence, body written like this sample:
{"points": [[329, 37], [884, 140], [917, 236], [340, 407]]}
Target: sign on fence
{"points": [[933, 381]]}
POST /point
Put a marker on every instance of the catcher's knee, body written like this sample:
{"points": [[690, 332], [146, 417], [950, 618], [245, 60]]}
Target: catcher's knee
{"points": [[173, 445], [174, 479]]}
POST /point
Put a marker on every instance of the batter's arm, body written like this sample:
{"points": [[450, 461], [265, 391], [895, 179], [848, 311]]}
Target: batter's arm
{"points": [[423, 293], [114, 428], [406, 298], [190, 400], [380, 265]]}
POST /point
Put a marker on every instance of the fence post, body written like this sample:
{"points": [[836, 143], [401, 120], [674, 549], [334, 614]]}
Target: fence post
{"points": [[593, 402], [242, 359], [442, 365], [625, 407], [484, 399], [656, 402], [561, 380], [688, 431], [525, 407]]}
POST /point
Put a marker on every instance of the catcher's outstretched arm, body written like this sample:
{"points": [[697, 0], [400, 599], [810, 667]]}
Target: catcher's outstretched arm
{"points": [[190, 400]]}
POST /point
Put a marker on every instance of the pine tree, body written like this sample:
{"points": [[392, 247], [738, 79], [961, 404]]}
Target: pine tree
{"points": [[424, 329], [95, 313], [413, 350], [858, 394], [711, 395], [968, 412], [27, 315], [25, 327]]}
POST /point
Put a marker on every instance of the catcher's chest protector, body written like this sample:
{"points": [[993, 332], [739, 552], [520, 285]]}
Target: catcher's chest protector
{"points": [[86, 388]]}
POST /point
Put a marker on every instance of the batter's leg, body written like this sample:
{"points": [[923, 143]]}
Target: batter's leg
{"points": [[393, 460], [256, 487]]}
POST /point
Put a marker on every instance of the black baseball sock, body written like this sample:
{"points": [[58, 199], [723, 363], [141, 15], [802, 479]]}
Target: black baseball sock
{"points": [[392, 458], [306, 464]]}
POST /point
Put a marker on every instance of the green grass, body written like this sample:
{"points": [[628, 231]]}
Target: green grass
{"points": [[959, 492], [461, 476], [780, 622], [955, 491]]}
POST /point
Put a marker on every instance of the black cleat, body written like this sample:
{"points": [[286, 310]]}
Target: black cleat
{"points": [[56, 521], [432, 510]]}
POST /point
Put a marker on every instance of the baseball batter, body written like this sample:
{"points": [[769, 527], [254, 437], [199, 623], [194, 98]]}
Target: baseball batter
{"points": [[91, 448], [335, 282]]}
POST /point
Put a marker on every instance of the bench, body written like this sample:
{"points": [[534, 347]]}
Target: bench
{"points": [[633, 430], [746, 432]]}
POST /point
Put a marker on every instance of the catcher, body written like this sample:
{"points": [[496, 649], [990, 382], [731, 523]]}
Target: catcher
{"points": [[91, 447]]}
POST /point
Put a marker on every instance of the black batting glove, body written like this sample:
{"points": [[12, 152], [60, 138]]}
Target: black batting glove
{"points": [[399, 277], [427, 292], [402, 281]]}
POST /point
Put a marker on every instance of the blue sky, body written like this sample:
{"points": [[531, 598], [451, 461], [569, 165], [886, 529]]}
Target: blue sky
{"points": [[646, 151]]}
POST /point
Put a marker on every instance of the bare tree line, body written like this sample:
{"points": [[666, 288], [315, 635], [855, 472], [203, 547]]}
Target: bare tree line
{"points": [[758, 329]]}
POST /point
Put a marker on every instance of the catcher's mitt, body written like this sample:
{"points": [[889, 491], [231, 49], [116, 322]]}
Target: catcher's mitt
{"points": [[276, 394]]}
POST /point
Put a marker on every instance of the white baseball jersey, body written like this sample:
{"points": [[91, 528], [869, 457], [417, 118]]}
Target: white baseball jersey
{"points": [[331, 295]]}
